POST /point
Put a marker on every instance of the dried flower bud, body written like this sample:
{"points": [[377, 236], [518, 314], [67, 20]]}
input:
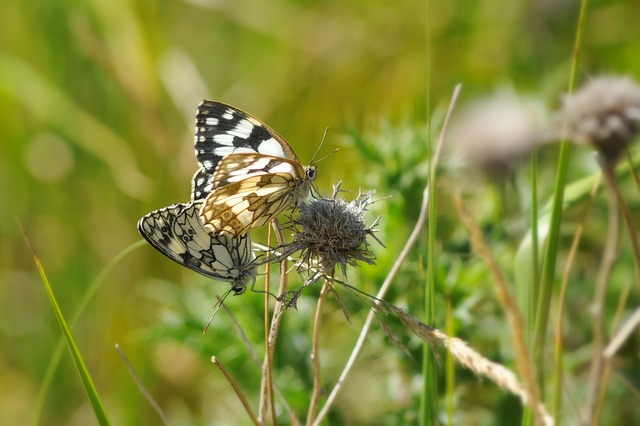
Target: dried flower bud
{"points": [[605, 112], [330, 232]]}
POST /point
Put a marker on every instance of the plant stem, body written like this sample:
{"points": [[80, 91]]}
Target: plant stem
{"points": [[609, 256], [417, 230], [236, 388], [266, 385], [315, 353], [559, 338]]}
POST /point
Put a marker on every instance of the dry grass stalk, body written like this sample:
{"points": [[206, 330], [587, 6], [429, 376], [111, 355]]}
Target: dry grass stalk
{"points": [[475, 362], [236, 388], [266, 385], [417, 230], [508, 303]]}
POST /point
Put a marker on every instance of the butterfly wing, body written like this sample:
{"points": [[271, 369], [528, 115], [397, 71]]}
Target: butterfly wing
{"points": [[237, 167], [250, 203], [177, 232], [221, 130], [251, 190]]}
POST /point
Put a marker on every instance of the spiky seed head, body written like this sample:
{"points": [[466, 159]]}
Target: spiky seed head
{"points": [[331, 231]]}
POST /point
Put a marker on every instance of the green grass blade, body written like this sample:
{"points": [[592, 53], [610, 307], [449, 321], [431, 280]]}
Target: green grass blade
{"points": [[551, 252], [550, 257], [532, 290], [47, 381], [85, 377], [429, 402]]}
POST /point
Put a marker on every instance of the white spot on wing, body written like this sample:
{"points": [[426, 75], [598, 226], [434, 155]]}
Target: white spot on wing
{"points": [[265, 191], [223, 139], [228, 115], [260, 163], [225, 150], [244, 150], [243, 174], [243, 129], [211, 121], [284, 168], [271, 147]]}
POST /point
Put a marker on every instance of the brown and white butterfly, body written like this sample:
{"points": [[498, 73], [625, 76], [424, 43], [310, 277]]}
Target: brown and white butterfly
{"points": [[176, 232], [248, 173]]}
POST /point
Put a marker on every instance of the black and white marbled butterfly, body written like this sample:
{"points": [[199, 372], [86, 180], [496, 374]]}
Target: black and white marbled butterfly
{"points": [[248, 173], [176, 232]]}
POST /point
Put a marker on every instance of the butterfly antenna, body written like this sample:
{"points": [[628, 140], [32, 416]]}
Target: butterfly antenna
{"points": [[324, 136], [326, 156], [216, 308]]}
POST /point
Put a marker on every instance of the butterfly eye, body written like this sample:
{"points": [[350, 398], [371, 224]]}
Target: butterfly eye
{"points": [[312, 173], [238, 289]]}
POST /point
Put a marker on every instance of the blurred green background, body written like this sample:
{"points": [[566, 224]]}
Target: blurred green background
{"points": [[97, 101]]}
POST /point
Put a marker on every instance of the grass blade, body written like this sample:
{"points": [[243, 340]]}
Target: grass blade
{"points": [[85, 377]]}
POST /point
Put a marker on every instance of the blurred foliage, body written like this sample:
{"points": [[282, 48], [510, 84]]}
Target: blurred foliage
{"points": [[97, 102]]}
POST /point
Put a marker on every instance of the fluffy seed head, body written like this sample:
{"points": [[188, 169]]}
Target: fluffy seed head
{"points": [[493, 134], [605, 112]]}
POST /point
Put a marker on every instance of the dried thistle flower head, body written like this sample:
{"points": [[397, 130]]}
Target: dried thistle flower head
{"points": [[330, 232], [605, 112], [495, 133]]}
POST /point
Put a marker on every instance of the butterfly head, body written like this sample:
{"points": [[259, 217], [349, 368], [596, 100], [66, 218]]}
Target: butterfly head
{"points": [[238, 288], [243, 277], [311, 172]]}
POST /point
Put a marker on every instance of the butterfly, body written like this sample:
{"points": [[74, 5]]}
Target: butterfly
{"points": [[248, 173], [176, 232]]}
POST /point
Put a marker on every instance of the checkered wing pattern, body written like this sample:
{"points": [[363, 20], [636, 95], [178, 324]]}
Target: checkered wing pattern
{"points": [[248, 173], [222, 129], [176, 232]]}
